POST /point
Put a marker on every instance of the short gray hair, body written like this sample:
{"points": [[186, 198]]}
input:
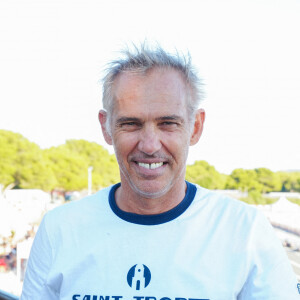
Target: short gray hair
{"points": [[142, 59]]}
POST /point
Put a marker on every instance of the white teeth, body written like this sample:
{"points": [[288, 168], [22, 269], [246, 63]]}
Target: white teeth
{"points": [[156, 165], [147, 166], [151, 166]]}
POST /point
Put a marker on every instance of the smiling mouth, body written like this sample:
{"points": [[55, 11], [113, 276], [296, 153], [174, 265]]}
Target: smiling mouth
{"points": [[151, 166]]}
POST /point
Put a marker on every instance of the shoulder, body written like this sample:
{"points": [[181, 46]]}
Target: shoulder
{"points": [[87, 202], [69, 214], [231, 215], [223, 204]]}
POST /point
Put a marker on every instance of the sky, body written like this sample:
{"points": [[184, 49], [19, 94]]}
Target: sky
{"points": [[53, 52]]}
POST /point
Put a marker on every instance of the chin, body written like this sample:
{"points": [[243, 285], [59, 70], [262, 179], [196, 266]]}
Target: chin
{"points": [[149, 189], [151, 193]]}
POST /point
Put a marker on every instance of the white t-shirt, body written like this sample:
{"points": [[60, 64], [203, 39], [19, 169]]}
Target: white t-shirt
{"points": [[209, 247]]}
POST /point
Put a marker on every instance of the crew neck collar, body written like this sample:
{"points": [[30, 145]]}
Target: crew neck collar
{"points": [[157, 218]]}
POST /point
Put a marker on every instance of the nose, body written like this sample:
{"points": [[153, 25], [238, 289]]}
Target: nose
{"points": [[149, 141]]}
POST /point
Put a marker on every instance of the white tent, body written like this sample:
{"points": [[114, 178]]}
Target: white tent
{"points": [[285, 206], [285, 213]]}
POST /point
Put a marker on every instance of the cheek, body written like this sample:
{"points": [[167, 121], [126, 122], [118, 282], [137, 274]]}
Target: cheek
{"points": [[124, 145], [176, 143]]}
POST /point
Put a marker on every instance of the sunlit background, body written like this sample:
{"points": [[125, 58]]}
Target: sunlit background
{"points": [[53, 52]]}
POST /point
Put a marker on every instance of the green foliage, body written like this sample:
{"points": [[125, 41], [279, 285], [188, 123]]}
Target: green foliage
{"points": [[255, 197], [290, 181], [205, 175], [294, 200], [244, 180], [261, 180], [69, 168], [105, 167], [22, 163], [269, 180], [256, 182], [25, 165]]}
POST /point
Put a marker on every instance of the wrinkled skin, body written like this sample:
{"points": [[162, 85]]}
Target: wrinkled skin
{"points": [[151, 133]]}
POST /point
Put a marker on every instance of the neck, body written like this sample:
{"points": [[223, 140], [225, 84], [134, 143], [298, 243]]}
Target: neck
{"points": [[130, 201]]}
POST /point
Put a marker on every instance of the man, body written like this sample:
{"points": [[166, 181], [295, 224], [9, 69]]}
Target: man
{"points": [[155, 236]]}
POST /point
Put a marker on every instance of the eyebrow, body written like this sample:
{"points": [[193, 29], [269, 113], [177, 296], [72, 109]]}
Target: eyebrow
{"points": [[127, 119], [171, 117], [163, 118]]}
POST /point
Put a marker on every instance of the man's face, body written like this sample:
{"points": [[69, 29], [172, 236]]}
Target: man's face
{"points": [[150, 130]]}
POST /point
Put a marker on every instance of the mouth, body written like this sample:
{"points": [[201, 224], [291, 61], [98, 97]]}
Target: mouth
{"points": [[150, 166], [149, 170]]}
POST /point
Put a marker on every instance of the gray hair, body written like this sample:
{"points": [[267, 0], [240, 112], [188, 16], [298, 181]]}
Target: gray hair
{"points": [[143, 59]]}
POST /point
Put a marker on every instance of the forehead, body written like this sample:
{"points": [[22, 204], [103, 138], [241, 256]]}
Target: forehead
{"points": [[157, 87]]}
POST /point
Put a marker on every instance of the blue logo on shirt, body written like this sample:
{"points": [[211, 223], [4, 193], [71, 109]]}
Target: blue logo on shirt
{"points": [[139, 277], [298, 286]]}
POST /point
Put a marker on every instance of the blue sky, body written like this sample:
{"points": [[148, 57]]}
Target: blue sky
{"points": [[247, 52]]}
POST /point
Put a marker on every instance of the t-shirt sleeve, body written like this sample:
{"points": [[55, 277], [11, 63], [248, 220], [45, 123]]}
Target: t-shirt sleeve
{"points": [[38, 267], [271, 276]]}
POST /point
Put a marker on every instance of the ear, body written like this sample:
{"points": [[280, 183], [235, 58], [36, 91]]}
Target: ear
{"points": [[102, 119], [198, 127]]}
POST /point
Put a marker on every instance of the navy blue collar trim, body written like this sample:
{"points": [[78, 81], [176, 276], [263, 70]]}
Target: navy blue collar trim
{"points": [[153, 219]]}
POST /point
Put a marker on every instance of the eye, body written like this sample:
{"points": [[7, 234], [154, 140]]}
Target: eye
{"points": [[130, 125], [169, 123]]}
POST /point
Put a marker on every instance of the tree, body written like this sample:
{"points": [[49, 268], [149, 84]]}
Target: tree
{"points": [[23, 164], [244, 180], [205, 175], [69, 168], [290, 181], [71, 161], [268, 179], [105, 166]]}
